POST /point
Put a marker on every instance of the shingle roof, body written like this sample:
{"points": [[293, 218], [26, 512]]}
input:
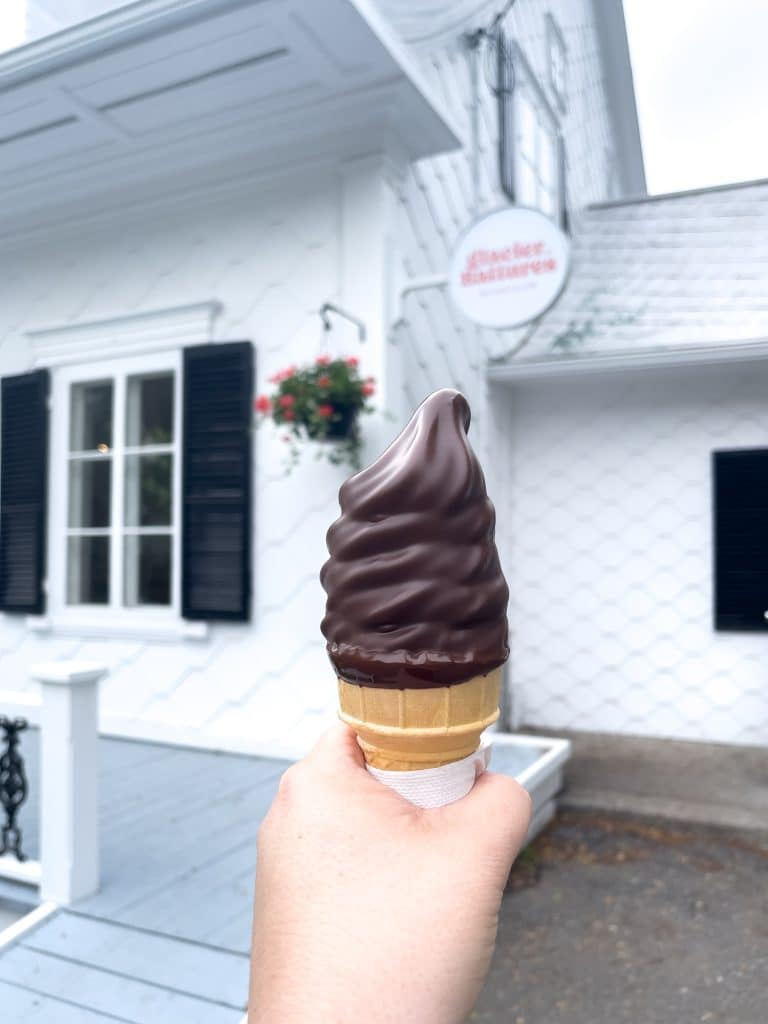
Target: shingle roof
{"points": [[675, 271]]}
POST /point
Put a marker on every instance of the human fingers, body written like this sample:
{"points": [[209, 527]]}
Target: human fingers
{"points": [[338, 748]]}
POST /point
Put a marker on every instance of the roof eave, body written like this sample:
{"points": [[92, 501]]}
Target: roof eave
{"points": [[117, 104], [754, 350]]}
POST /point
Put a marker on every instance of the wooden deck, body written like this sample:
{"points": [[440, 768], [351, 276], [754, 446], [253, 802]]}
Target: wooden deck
{"points": [[166, 939]]}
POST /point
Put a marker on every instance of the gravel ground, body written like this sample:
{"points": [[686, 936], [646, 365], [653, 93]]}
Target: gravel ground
{"points": [[610, 918]]}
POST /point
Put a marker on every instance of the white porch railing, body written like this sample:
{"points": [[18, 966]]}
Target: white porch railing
{"points": [[66, 713]]}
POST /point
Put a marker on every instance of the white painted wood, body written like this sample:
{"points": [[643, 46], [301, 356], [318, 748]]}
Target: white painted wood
{"points": [[69, 822], [26, 872], [20, 929], [366, 216], [410, 287], [158, 330], [116, 542], [692, 355], [556, 753], [115, 619], [20, 704], [145, 627], [254, 79], [188, 629]]}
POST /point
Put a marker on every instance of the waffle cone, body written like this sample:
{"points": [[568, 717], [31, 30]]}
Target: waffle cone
{"points": [[403, 730]]}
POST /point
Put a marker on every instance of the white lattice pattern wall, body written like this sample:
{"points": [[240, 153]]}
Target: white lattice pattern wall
{"points": [[270, 256], [607, 537]]}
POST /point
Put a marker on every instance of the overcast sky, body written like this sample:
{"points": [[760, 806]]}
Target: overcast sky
{"points": [[701, 80]]}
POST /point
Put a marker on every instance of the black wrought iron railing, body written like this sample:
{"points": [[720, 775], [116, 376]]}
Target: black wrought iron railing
{"points": [[13, 785]]}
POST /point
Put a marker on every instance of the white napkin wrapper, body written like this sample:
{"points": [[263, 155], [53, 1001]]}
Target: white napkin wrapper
{"points": [[436, 787]]}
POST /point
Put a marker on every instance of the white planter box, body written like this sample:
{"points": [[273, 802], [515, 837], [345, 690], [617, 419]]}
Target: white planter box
{"points": [[537, 763]]}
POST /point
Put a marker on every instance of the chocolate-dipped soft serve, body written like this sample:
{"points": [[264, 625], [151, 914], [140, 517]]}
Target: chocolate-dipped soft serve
{"points": [[416, 596]]}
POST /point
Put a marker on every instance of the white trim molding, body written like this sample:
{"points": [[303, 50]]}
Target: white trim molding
{"points": [[658, 358], [131, 334], [152, 628], [115, 615]]}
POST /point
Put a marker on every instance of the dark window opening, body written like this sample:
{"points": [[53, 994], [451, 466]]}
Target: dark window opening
{"points": [[740, 493]]}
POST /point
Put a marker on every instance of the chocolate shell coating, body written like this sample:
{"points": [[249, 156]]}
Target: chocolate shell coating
{"points": [[416, 596]]}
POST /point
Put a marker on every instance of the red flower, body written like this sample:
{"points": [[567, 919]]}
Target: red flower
{"points": [[324, 381], [281, 375], [288, 414], [262, 404], [287, 401], [368, 389], [352, 361], [325, 411], [323, 360]]}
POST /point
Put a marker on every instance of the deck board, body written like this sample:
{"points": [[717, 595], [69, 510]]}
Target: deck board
{"points": [[227, 883], [212, 974], [20, 1006], [167, 936], [103, 991]]}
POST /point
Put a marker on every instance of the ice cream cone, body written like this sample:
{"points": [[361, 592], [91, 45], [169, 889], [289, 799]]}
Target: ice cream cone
{"points": [[405, 730]]}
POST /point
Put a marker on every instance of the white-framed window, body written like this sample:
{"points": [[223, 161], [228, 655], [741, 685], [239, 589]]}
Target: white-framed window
{"points": [[114, 541], [121, 541], [531, 154], [557, 61]]}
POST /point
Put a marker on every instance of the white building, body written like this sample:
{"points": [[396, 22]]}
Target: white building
{"points": [[185, 173]]}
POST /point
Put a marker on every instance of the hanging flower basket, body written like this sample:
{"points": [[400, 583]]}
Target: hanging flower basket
{"points": [[320, 402]]}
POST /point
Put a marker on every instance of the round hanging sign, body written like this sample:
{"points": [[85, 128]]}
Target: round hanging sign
{"points": [[509, 267]]}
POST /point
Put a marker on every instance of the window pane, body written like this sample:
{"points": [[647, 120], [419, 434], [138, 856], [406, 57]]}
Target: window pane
{"points": [[526, 185], [147, 570], [527, 123], [150, 409], [90, 416], [88, 570], [89, 492], [547, 202], [148, 481], [547, 160]]}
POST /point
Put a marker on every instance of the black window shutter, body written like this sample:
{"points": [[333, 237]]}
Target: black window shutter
{"points": [[23, 491], [740, 483], [216, 482]]}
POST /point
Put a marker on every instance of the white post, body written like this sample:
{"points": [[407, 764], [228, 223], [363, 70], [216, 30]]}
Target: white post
{"points": [[69, 774], [368, 216]]}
